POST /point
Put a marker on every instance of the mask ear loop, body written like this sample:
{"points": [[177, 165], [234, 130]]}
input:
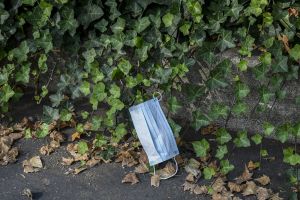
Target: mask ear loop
{"points": [[176, 170], [159, 97]]}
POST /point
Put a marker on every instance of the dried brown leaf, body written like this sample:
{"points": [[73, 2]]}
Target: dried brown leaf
{"points": [[263, 180], [193, 167], [246, 175], [233, 187], [262, 193], [130, 178], [126, 158], [92, 162], [275, 197], [79, 169], [141, 169], [33, 164], [200, 189], [46, 150], [67, 161], [218, 185], [190, 177], [187, 186], [27, 192], [167, 171], [252, 165], [250, 188], [75, 136], [293, 12], [155, 179]]}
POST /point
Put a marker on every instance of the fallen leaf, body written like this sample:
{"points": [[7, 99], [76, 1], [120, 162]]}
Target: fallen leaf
{"points": [[126, 158], [27, 192], [167, 171], [130, 178], [285, 41], [141, 169], [67, 161], [187, 186], [218, 196], [210, 129], [200, 189], [79, 169], [92, 162], [190, 177], [263, 180], [252, 165], [218, 185], [293, 12], [34, 164], [249, 189], [193, 167], [233, 187], [262, 193], [75, 136], [275, 197], [46, 150], [155, 179], [143, 157], [57, 136], [246, 175]]}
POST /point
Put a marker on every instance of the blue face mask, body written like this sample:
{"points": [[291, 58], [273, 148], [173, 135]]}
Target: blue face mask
{"points": [[154, 131]]}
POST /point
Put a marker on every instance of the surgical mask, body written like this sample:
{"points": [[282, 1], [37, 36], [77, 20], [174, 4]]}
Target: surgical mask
{"points": [[154, 131]]}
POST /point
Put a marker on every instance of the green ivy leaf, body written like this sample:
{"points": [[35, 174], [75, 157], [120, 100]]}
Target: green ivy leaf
{"points": [[119, 26], [208, 172], [141, 24], [185, 28], [239, 108], [22, 76], [42, 63], [266, 58], [176, 128], [268, 128], [201, 147], [65, 115], [283, 132], [265, 94], [115, 91], [194, 92], [241, 90], [200, 120], [101, 25], [82, 147], [56, 99], [280, 64], [50, 114], [295, 52], [98, 94], [243, 65], [89, 55], [6, 93], [119, 132], [242, 140], [290, 157], [42, 131], [221, 151], [85, 88], [89, 13], [226, 40], [124, 66], [223, 136], [226, 167], [257, 138], [28, 2], [100, 141], [174, 105], [168, 19], [19, 53], [218, 110]]}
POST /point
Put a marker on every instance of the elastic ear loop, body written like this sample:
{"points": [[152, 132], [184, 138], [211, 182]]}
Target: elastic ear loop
{"points": [[176, 170], [159, 97]]}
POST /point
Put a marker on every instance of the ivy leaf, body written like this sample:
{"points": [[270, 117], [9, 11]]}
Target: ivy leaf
{"points": [[201, 147], [242, 140], [268, 128], [42, 131], [56, 99], [85, 88], [68, 22], [223, 136], [216, 81], [42, 63], [218, 110], [221, 151], [50, 114], [256, 138], [89, 13], [82, 147], [241, 90], [200, 120], [119, 132], [290, 157], [168, 19], [226, 40], [296, 129], [100, 141], [226, 167], [208, 172], [239, 108], [295, 52], [101, 25], [194, 92], [266, 58], [115, 91], [19, 53], [40, 14], [174, 105], [119, 26], [89, 55], [98, 94], [280, 64], [282, 132], [22, 76], [124, 66], [260, 71], [6, 93], [28, 2], [141, 24], [265, 94], [185, 28], [176, 128], [243, 65], [65, 115]]}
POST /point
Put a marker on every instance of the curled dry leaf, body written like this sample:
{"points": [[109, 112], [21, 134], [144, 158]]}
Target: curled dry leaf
{"points": [[92, 162], [200, 189], [190, 177], [34, 164], [218, 185], [130, 178], [276, 197], [155, 179], [246, 175], [252, 165], [27, 192], [141, 169], [262, 193], [67, 161], [187, 186], [293, 12], [79, 169], [193, 167], [75, 136], [167, 171], [126, 158], [233, 187], [218, 196], [285, 41], [73, 150], [46, 150], [57, 136], [250, 188], [263, 180], [143, 157]]}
